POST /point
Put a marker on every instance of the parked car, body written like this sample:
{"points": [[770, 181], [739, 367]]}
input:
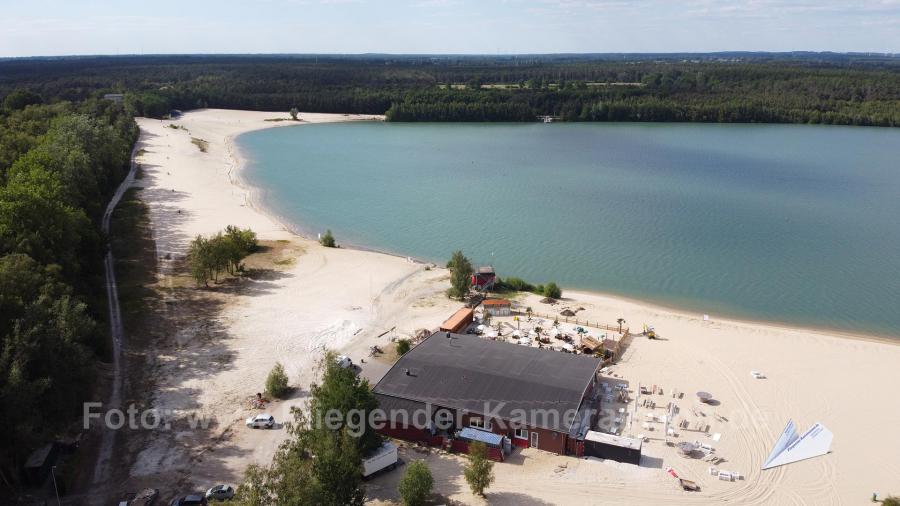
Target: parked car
{"points": [[220, 493], [196, 499], [145, 497], [344, 362], [261, 421]]}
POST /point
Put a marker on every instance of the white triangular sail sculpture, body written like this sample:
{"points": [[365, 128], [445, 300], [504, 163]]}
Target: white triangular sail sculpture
{"points": [[789, 448]]}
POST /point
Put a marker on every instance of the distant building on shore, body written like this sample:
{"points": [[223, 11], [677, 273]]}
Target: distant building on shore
{"points": [[114, 97]]}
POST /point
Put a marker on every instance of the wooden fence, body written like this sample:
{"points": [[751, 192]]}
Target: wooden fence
{"points": [[575, 320]]}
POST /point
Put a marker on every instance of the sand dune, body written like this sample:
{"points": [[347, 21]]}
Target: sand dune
{"points": [[344, 299]]}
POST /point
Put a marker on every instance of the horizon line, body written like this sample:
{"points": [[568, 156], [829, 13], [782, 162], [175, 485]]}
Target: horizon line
{"points": [[885, 54]]}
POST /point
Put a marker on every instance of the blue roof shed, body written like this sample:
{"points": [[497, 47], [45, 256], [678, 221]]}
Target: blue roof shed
{"points": [[488, 438]]}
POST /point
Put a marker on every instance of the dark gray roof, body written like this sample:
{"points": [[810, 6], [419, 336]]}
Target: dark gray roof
{"points": [[468, 372], [392, 405]]}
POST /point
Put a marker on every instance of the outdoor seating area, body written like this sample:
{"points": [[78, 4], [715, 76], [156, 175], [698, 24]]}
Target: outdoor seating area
{"points": [[654, 416], [614, 400], [527, 330]]}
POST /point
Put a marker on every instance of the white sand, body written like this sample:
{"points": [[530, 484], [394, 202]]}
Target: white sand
{"points": [[344, 298], [849, 384], [336, 298]]}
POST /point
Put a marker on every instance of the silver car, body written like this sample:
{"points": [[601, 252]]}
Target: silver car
{"points": [[220, 493], [261, 421]]}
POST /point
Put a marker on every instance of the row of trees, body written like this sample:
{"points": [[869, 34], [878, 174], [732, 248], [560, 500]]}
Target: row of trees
{"points": [[455, 111], [208, 257], [643, 104], [840, 89], [59, 163], [551, 289]]}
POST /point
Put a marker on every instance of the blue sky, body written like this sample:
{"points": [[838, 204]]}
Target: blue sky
{"points": [[53, 27]]}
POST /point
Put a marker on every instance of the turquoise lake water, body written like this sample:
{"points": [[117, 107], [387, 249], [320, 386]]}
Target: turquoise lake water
{"points": [[788, 223]]}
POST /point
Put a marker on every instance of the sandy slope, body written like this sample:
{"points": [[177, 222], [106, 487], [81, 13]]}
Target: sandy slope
{"points": [[344, 299]]}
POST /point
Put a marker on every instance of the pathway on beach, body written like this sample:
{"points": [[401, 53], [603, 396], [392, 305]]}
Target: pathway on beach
{"points": [[107, 441]]}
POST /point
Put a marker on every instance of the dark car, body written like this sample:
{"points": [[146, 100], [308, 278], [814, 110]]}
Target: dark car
{"points": [[145, 497], [191, 500]]}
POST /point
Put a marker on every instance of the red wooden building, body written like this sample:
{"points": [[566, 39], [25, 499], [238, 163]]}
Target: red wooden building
{"points": [[484, 278], [535, 398]]}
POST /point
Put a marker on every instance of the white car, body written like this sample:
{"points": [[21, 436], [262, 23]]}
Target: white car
{"points": [[261, 421], [220, 493], [344, 362]]}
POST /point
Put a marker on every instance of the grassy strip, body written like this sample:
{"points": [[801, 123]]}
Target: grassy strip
{"points": [[201, 144]]}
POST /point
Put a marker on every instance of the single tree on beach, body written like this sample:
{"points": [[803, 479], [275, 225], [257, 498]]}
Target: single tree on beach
{"points": [[415, 486], [327, 240], [294, 113], [552, 290], [200, 260], [403, 347], [479, 471], [277, 381], [620, 321], [460, 274]]}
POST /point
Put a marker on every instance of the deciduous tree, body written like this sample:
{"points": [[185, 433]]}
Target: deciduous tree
{"points": [[460, 275], [277, 381], [479, 472], [416, 484]]}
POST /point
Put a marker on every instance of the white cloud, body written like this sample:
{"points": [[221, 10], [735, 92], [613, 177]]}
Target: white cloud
{"points": [[514, 26]]}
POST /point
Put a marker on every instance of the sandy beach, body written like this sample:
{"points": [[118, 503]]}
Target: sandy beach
{"points": [[347, 300]]}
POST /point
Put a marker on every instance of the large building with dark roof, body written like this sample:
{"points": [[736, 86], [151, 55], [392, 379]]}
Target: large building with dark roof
{"points": [[536, 398]]}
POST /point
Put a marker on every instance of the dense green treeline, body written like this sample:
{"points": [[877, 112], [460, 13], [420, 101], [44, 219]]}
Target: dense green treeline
{"points": [[59, 164], [728, 87], [726, 95], [459, 105]]}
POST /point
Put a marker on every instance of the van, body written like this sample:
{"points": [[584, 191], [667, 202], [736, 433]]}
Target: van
{"points": [[383, 458]]}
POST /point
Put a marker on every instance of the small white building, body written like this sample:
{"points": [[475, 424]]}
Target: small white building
{"points": [[497, 307]]}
